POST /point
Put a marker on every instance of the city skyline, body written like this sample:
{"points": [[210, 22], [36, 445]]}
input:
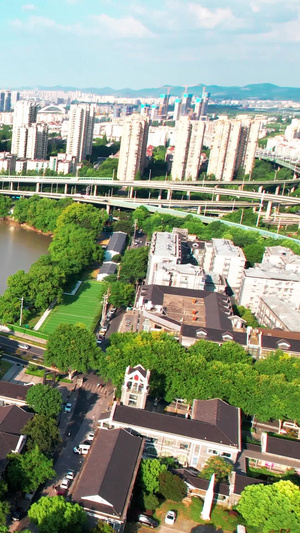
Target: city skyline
{"points": [[118, 44]]}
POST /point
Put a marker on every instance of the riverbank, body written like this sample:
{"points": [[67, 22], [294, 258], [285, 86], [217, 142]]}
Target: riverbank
{"points": [[26, 226]]}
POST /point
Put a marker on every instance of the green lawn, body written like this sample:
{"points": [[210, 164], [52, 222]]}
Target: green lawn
{"points": [[4, 367], [85, 307]]}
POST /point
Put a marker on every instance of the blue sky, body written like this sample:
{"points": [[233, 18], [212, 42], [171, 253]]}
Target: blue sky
{"points": [[148, 43]]}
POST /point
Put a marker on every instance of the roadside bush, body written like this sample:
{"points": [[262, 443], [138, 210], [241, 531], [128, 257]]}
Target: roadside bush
{"points": [[172, 487]]}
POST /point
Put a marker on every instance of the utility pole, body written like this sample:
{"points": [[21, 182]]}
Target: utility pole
{"points": [[21, 310]]}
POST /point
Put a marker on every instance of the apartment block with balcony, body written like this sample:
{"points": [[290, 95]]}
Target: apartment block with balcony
{"points": [[188, 147], [224, 258], [132, 159]]}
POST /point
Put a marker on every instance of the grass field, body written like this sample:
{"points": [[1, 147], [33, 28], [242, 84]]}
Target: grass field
{"points": [[85, 307]]}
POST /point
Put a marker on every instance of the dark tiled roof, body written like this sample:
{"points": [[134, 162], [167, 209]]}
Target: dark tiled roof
{"points": [[109, 471], [13, 391], [215, 310], [283, 447], [108, 267], [138, 368], [13, 419], [202, 484], [117, 242], [224, 416], [214, 335], [242, 482], [133, 417]]}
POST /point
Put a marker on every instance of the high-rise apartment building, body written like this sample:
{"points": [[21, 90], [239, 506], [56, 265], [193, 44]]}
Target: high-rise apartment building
{"points": [[177, 107], [188, 147], [163, 104], [201, 105], [133, 147], [233, 147], [37, 141], [186, 104], [80, 132], [24, 116], [5, 101]]}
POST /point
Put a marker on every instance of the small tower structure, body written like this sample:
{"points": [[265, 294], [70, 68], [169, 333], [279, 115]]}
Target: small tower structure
{"points": [[135, 387]]}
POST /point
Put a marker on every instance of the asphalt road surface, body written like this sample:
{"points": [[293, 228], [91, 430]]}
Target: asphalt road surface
{"points": [[11, 347]]}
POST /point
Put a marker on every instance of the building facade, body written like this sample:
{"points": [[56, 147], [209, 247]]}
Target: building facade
{"points": [[224, 258], [132, 159], [25, 115], [80, 132], [188, 147]]}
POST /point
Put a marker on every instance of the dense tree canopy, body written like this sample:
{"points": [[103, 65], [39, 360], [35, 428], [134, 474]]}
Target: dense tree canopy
{"points": [[271, 507], [207, 370], [218, 466], [72, 347], [134, 265], [44, 400], [25, 472], [149, 472], [172, 487], [43, 431], [56, 515]]}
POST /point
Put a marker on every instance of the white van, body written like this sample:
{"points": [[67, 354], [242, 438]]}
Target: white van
{"points": [[23, 346], [84, 448]]}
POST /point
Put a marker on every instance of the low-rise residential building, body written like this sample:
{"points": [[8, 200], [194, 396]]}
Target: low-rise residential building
{"points": [[106, 482], [116, 245], [165, 250], [135, 387], [213, 429], [108, 268], [282, 257], [267, 280], [275, 313], [12, 421], [12, 394], [224, 258]]}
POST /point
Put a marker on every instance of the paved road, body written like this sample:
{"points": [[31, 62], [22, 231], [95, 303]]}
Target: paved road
{"points": [[11, 346]]}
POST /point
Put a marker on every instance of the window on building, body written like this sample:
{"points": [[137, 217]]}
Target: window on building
{"points": [[168, 442], [226, 455], [184, 446], [212, 452]]}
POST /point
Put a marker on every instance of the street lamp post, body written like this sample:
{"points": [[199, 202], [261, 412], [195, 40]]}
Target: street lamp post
{"points": [[21, 310]]}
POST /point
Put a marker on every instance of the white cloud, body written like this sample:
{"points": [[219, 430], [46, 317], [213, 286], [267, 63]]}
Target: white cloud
{"points": [[34, 24], [258, 5], [210, 19], [127, 27], [29, 7], [285, 31]]}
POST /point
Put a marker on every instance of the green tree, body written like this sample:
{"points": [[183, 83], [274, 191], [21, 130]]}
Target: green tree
{"points": [[4, 510], [72, 347], [44, 399], [5, 206], [254, 252], [150, 501], [271, 507], [84, 216], [134, 265], [42, 430], [121, 294], [149, 472], [56, 515], [25, 472], [218, 466], [172, 487], [103, 527]]}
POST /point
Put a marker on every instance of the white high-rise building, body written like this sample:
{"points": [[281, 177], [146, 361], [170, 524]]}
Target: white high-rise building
{"points": [[37, 141], [224, 258], [80, 132], [24, 116], [133, 147], [188, 147], [177, 107], [233, 147]]}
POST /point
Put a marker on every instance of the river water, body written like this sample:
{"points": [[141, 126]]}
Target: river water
{"points": [[19, 248]]}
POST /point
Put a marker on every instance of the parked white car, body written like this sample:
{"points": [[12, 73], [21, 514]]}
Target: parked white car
{"points": [[70, 474], [170, 518]]}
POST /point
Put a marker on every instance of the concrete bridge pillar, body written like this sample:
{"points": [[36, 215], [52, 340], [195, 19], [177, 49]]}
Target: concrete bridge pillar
{"points": [[131, 192], [66, 188], [269, 209], [108, 209], [159, 194], [260, 188], [277, 189], [37, 188], [199, 210], [295, 175], [169, 197], [11, 185], [188, 195], [217, 197], [292, 189], [95, 190]]}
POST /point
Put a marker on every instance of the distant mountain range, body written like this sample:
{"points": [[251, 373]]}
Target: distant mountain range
{"points": [[260, 91]]}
